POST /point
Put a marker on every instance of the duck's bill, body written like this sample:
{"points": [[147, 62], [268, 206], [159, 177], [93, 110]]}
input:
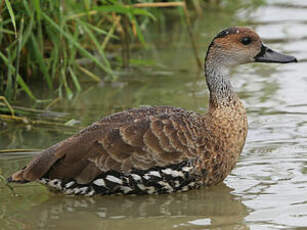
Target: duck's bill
{"points": [[268, 55]]}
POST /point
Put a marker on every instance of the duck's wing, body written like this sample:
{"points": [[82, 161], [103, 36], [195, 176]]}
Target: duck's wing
{"points": [[135, 139]]}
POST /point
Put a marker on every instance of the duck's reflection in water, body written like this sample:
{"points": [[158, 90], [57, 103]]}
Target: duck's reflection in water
{"points": [[208, 207]]}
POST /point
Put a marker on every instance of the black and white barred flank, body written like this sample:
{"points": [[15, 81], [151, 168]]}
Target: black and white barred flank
{"points": [[157, 180]]}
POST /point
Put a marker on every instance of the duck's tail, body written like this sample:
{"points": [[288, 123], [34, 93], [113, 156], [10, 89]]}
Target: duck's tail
{"points": [[35, 168], [17, 177]]}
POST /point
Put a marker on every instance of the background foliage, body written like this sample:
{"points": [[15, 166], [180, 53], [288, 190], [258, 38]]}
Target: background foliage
{"points": [[50, 43]]}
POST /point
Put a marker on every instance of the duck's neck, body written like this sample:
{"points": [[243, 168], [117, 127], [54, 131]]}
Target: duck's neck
{"points": [[221, 91]]}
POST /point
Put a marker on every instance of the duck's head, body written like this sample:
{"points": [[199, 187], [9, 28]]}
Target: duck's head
{"points": [[239, 45]]}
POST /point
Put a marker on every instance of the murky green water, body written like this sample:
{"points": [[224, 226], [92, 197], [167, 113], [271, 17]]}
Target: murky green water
{"points": [[267, 189]]}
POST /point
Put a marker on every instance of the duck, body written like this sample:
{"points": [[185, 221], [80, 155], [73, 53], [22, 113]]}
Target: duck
{"points": [[159, 149]]}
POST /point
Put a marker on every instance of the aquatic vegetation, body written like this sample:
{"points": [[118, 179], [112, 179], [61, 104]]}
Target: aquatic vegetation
{"points": [[48, 41]]}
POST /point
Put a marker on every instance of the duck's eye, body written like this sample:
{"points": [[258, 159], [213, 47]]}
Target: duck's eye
{"points": [[246, 41]]}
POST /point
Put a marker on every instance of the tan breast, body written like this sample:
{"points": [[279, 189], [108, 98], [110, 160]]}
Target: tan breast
{"points": [[225, 140]]}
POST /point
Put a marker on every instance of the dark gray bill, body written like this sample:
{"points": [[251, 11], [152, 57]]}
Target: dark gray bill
{"points": [[268, 55]]}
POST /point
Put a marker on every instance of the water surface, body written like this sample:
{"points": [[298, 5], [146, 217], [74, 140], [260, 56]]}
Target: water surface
{"points": [[267, 189]]}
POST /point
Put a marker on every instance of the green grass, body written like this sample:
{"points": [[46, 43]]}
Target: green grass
{"points": [[44, 41]]}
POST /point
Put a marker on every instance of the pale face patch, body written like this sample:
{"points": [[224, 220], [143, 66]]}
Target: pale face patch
{"points": [[228, 48]]}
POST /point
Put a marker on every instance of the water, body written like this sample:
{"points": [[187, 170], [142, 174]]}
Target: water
{"points": [[267, 189]]}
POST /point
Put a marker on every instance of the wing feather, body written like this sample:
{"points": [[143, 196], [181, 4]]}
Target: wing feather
{"points": [[134, 139]]}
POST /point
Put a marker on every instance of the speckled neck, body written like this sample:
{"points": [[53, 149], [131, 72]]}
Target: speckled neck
{"points": [[221, 91]]}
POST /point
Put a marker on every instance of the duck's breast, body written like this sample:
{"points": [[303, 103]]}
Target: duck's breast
{"points": [[224, 142]]}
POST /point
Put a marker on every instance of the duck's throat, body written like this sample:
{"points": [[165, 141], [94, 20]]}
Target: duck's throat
{"points": [[221, 91]]}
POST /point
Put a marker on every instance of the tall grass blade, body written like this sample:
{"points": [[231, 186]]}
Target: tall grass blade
{"points": [[123, 9], [29, 28], [9, 81], [75, 79], [6, 31], [90, 74], [110, 33], [138, 30], [96, 43], [18, 55], [41, 61], [37, 9], [25, 87], [69, 93], [75, 43], [99, 30], [19, 79], [11, 12]]}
